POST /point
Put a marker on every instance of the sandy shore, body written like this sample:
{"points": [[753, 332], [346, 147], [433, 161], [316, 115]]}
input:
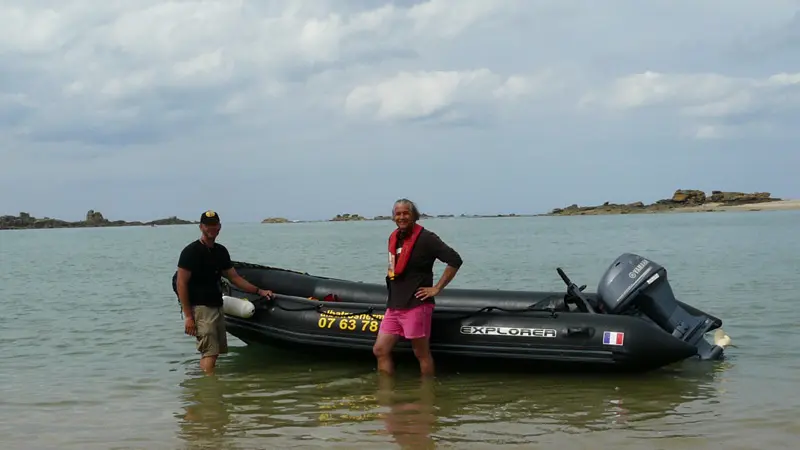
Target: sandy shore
{"points": [[780, 205]]}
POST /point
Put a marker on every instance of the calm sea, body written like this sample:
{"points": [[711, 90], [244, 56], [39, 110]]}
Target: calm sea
{"points": [[94, 355]]}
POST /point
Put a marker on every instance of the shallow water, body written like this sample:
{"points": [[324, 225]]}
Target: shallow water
{"points": [[95, 355]]}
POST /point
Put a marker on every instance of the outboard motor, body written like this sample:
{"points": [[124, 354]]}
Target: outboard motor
{"points": [[635, 285]]}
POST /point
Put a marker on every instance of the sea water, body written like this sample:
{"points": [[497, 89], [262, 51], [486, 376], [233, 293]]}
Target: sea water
{"points": [[94, 354]]}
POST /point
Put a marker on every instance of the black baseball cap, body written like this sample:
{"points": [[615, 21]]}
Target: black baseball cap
{"points": [[209, 218]]}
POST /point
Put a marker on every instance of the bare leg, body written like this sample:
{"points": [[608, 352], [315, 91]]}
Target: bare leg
{"points": [[208, 363], [383, 352], [423, 353], [385, 388]]}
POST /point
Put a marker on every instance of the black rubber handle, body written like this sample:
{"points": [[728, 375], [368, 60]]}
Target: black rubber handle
{"points": [[563, 276]]}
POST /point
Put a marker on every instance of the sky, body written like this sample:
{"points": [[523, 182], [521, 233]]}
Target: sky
{"points": [[307, 109]]}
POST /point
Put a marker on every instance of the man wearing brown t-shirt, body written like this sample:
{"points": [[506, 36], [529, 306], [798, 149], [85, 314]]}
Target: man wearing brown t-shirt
{"points": [[412, 253]]}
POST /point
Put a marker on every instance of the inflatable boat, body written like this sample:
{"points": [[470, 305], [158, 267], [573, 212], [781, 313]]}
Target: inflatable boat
{"points": [[633, 322]]}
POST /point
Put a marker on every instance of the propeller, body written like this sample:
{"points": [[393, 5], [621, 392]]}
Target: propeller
{"points": [[721, 339]]}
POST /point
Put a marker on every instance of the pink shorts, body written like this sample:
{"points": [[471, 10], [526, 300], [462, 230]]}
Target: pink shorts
{"points": [[411, 323]]}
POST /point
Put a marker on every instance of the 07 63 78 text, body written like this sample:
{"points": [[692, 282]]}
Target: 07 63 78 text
{"points": [[359, 322]]}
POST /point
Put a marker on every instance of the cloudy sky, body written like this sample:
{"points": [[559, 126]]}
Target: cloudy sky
{"points": [[304, 109]]}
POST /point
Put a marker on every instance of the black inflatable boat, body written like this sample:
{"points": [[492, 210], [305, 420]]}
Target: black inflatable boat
{"points": [[632, 323]]}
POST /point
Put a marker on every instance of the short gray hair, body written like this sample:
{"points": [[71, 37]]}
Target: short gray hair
{"points": [[404, 201]]}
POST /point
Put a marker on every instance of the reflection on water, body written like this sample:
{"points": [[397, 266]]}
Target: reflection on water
{"points": [[207, 414], [252, 403], [411, 413]]}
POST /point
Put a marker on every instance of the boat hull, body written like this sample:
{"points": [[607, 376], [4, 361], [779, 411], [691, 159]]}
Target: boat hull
{"points": [[481, 326]]}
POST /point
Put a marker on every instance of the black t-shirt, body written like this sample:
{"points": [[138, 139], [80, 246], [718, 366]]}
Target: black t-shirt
{"points": [[206, 265], [419, 270]]}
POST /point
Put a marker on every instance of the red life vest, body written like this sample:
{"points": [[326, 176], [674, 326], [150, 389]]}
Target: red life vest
{"points": [[398, 263]]}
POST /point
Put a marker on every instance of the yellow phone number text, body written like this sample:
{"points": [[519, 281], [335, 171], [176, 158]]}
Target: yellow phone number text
{"points": [[361, 322]]}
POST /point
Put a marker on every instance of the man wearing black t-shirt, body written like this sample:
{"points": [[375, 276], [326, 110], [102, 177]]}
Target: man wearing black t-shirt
{"points": [[412, 252], [197, 283]]}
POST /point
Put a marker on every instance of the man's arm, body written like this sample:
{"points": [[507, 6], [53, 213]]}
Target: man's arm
{"points": [[447, 255], [230, 273], [186, 262], [183, 290], [447, 276], [240, 282]]}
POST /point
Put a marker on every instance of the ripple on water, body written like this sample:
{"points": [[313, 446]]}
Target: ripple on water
{"points": [[105, 353], [497, 410]]}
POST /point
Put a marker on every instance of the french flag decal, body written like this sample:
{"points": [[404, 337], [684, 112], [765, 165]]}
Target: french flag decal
{"points": [[613, 338]]}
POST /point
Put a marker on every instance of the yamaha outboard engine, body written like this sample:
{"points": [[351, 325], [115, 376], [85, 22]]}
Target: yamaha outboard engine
{"points": [[636, 285]]}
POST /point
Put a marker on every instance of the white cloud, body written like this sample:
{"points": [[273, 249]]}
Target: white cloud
{"points": [[701, 94], [707, 99], [152, 68], [192, 61], [445, 19], [650, 89], [416, 95]]}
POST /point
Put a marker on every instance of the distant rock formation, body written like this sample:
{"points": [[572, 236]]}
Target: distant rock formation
{"points": [[275, 220], [741, 198], [93, 219], [688, 197], [681, 199], [421, 216], [348, 218]]}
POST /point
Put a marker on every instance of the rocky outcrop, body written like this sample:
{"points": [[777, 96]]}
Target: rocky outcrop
{"points": [[347, 218], [605, 208], [682, 199], [741, 198], [421, 216], [688, 197], [172, 220], [93, 219], [275, 220]]}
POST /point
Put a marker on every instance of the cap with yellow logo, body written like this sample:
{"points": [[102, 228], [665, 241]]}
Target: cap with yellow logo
{"points": [[209, 218]]}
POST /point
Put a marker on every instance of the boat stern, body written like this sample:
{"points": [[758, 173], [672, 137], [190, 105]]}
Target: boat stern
{"points": [[635, 285]]}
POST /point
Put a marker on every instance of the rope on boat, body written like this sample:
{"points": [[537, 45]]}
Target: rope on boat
{"points": [[318, 307], [369, 311]]}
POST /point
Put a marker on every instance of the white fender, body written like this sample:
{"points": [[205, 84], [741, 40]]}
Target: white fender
{"points": [[237, 307]]}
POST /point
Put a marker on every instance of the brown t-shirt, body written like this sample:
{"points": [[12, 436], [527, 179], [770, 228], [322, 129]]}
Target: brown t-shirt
{"points": [[419, 270]]}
